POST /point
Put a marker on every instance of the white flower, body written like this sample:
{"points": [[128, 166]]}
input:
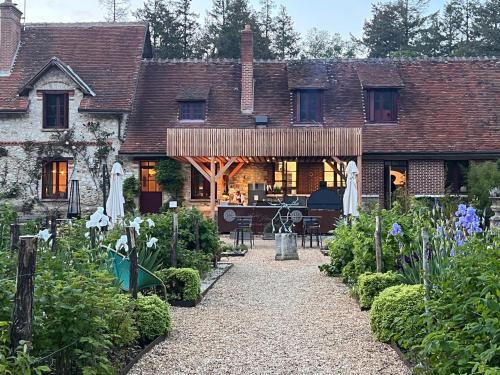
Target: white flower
{"points": [[152, 242], [122, 243], [44, 235], [98, 219], [136, 224], [151, 223], [87, 235]]}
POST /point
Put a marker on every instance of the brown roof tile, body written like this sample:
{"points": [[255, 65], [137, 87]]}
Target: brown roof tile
{"points": [[379, 75], [307, 75], [106, 57], [445, 106]]}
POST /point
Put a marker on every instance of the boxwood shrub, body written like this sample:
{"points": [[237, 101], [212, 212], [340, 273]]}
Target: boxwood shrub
{"points": [[183, 284], [395, 313], [370, 285], [153, 316]]}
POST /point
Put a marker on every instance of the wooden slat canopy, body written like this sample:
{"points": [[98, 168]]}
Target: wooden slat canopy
{"points": [[263, 142]]}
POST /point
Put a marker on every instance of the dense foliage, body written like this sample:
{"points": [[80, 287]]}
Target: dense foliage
{"points": [[183, 284], [456, 327], [465, 313], [170, 176], [370, 285], [153, 316], [481, 178], [393, 313]]}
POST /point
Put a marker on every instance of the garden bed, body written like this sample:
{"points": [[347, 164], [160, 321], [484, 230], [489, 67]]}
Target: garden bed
{"points": [[234, 253], [141, 353]]}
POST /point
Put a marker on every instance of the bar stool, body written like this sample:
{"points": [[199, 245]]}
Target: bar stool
{"points": [[243, 225], [311, 228]]}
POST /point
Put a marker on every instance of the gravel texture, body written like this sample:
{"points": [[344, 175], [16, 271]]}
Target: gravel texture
{"points": [[270, 317]]}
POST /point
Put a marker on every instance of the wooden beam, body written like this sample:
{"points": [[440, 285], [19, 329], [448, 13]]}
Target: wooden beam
{"points": [[336, 169], [360, 179], [198, 167], [213, 193], [236, 169], [225, 168]]}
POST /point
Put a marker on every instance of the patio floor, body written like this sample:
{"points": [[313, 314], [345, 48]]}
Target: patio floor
{"points": [[269, 317]]}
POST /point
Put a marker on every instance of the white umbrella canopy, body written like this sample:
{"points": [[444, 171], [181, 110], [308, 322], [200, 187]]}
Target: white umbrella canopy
{"points": [[351, 191], [115, 202]]}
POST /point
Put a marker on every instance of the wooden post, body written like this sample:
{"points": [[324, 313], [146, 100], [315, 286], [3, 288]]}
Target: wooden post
{"points": [[425, 266], [196, 224], [14, 236], [378, 245], [53, 232], [175, 234], [92, 237], [213, 193], [22, 313], [360, 180], [132, 251]]}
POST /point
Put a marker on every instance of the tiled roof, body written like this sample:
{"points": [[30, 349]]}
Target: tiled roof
{"points": [[379, 75], [193, 93], [105, 56], [307, 75], [446, 105]]}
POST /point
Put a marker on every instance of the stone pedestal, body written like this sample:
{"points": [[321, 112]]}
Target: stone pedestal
{"points": [[495, 207], [286, 246]]}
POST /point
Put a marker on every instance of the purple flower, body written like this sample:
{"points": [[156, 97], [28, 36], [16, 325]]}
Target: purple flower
{"points": [[440, 231], [461, 211], [396, 230], [453, 252]]}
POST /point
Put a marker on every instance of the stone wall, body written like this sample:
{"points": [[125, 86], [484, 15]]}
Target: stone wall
{"points": [[17, 168]]}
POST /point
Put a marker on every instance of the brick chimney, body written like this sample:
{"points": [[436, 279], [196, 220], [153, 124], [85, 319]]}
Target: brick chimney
{"points": [[10, 35], [247, 70]]}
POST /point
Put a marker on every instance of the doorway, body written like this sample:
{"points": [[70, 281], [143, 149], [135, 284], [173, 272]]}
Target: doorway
{"points": [[150, 198], [395, 180]]}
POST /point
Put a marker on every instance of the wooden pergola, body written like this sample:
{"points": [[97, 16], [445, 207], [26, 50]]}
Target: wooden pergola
{"points": [[230, 146]]}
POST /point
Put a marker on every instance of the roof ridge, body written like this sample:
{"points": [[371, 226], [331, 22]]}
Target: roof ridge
{"points": [[85, 24], [345, 60]]}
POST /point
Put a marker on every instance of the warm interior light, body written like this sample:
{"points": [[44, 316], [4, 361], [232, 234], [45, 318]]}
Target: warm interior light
{"points": [[152, 172]]}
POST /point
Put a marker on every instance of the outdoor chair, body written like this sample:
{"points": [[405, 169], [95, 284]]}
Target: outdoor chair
{"points": [[243, 225], [121, 269], [311, 228]]}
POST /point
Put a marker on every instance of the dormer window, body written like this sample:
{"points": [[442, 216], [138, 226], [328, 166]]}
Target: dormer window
{"points": [[192, 111], [309, 106], [55, 110], [382, 105]]}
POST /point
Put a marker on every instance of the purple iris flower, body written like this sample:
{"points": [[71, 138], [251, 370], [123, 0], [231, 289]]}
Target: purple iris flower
{"points": [[461, 211], [396, 229]]}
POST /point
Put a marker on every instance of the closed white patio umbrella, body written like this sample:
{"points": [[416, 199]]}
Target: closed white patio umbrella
{"points": [[114, 204], [351, 191]]}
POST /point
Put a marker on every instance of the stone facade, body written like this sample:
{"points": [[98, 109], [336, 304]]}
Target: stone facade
{"points": [[17, 167]]}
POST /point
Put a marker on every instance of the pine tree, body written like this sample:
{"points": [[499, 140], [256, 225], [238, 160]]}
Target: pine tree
{"points": [[116, 10], [487, 28], [187, 27], [285, 38], [395, 27], [160, 15]]}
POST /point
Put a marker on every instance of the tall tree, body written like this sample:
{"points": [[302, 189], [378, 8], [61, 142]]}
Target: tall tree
{"points": [[285, 38], [320, 44], [487, 28], [163, 25], [115, 10], [266, 16], [188, 26], [395, 27]]}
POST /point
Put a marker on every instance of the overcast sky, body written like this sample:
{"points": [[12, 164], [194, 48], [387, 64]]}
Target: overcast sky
{"points": [[342, 16]]}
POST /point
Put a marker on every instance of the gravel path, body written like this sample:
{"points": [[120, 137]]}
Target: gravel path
{"points": [[269, 317]]}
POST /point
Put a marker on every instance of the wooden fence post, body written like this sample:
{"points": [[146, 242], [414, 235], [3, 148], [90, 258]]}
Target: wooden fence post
{"points": [[22, 313], [197, 233], [53, 232], [14, 236], [132, 251], [175, 235], [378, 245], [93, 235], [425, 266]]}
